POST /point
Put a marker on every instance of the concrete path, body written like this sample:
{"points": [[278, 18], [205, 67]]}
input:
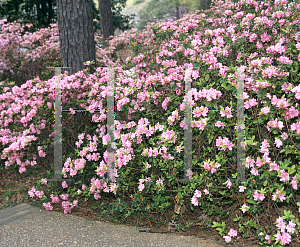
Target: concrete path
{"points": [[25, 225]]}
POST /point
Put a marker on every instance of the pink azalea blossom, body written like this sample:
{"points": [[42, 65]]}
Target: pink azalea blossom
{"points": [[227, 239], [194, 201], [47, 206], [44, 180], [64, 185], [198, 193], [284, 177], [147, 166], [232, 233], [242, 188]]}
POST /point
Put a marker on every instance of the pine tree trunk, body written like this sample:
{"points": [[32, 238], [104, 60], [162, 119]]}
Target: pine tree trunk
{"points": [[106, 22], [205, 4], [76, 34], [76, 37], [177, 13]]}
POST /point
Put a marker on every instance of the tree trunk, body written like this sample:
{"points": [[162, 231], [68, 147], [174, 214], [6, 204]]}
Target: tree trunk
{"points": [[50, 11], [76, 37], [205, 4], [177, 13], [106, 22], [76, 34]]}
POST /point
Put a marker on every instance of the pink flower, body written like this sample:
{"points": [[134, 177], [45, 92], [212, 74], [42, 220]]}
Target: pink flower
{"points": [[278, 143], [294, 183], [39, 194], [281, 224], [281, 197], [258, 45], [83, 187], [113, 188], [245, 208], [265, 37], [165, 102], [274, 167], [159, 181], [75, 204], [290, 228], [242, 188], [220, 124], [65, 204], [232, 233], [147, 166], [296, 126], [227, 239], [47, 206], [67, 210], [284, 177], [64, 185], [79, 191], [265, 110], [64, 197], [31, 193], [44, 180], [97, 196], [254, 171], [194, 201], [141, 187], [278, 195], [226, 112], [54, 199], [258, 196], [286, 238], [49, 105], [228, 183], [198, 112], [261, 197], [198, 193], [189, 173]]}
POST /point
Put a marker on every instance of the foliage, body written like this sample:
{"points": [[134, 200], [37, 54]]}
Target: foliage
{"points": [[29, 12], [163, 10], [160, 10]]}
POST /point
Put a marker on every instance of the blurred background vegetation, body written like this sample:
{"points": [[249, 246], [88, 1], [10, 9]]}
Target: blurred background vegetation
{"points": [[126, 13]]}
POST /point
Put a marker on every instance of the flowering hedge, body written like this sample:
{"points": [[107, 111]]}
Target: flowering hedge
{"points": [[261, 39]]}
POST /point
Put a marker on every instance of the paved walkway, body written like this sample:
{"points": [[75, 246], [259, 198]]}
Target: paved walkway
{"points": [[25, 225]]}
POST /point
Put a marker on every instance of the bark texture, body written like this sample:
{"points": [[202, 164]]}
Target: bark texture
{"points": [[106, 21], [76, 34], [77, 40]]}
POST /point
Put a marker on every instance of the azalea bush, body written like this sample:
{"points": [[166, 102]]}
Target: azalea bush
{"points": [[261, 39]]}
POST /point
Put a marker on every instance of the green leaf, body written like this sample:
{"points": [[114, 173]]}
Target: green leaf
{"points": [[265, 183], [291, 170], [206, 77]]}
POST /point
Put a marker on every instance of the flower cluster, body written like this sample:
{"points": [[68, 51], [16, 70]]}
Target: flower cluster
{"points": [[232, 233], [141, 183], [198, 194]]}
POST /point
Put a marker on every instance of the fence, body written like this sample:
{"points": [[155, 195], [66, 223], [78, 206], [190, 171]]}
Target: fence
{"points": [[111, 126]]}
